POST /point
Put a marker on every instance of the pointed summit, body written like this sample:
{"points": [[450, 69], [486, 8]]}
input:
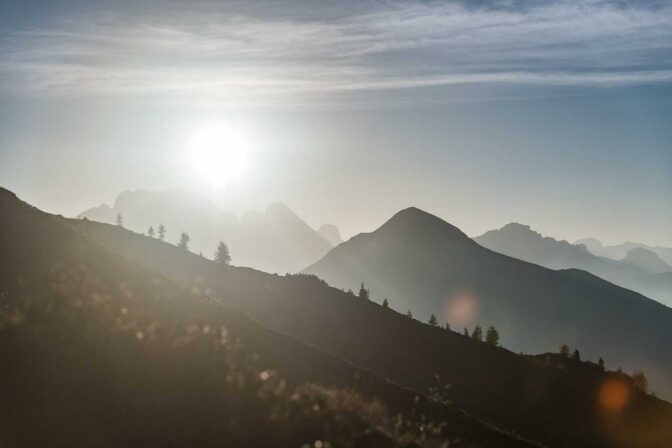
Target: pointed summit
{"points": [[416, 223]]}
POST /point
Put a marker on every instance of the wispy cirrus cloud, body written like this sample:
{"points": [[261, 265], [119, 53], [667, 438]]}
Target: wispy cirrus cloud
{"points": [[407, 45]]}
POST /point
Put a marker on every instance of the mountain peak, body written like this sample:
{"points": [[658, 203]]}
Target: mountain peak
{"points": [[276, 207], [517, 226], [330, 233], [647, 260], [416, 221]]}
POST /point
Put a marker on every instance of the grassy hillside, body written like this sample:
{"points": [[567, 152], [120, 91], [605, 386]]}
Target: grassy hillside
{"points": [[552, 405]]}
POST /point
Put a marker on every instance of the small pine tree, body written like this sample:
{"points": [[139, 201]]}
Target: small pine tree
{"points": [[409, 314], [150, 232], [363, 292], [184, 241], [640, 382], [222, 255], [564, 350], [576, 356], [432, 321], [600, 363], [120, 220], [447, 326], [492, 336], [162, 232], [477, 334], [466, 332], [386, 304]]}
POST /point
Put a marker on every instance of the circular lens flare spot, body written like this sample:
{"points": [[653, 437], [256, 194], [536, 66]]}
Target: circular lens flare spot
{"points": [[614, 395], [461, 308]]}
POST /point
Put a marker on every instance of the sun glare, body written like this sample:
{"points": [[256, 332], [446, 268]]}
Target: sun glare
{"points": [[219, 154]]}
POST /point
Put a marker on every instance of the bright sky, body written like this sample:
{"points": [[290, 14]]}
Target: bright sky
{"points": [[554, 114]]}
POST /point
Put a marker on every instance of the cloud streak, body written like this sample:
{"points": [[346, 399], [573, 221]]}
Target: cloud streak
{"points": [[252, 58]]}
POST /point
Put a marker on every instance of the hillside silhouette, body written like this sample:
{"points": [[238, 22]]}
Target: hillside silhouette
{"points": [[522, 395], [636, 271], [99, 350], [420, 262], [276, 240]]}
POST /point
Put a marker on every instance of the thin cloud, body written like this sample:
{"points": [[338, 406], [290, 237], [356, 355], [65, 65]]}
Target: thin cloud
{"points": [[399, 46]]}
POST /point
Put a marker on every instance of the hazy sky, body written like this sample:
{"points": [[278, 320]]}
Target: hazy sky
{"points": [[553, 114]]}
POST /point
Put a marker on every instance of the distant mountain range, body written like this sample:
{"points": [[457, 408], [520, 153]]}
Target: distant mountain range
{"points": [[421, 263], [640, 269], [276, 240], [621, 250]]}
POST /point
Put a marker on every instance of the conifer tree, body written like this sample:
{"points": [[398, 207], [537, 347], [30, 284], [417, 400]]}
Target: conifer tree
{"points": [[576, 356], [184, 241], [120, 220], [409, 314], [386, 304], [150, 232], [492, 336], [477, 334], [639, 381], [363, 293], [564, 350], [432, 321], [600, 363], [162, 232], [447, 326], [222, 255], [466, 332]]}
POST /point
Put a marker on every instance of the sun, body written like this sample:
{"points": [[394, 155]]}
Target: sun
{"points": [[219, 154]]}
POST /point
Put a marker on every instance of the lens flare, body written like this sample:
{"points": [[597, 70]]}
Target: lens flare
{"points": [[614, 395], [461, 308]]}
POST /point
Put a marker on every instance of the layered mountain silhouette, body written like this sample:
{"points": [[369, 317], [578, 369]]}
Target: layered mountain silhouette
{"points": [[274, 241], [635, 271], [112, 338], [620, 251], [555, 404], [99, 350], [421, 263]]}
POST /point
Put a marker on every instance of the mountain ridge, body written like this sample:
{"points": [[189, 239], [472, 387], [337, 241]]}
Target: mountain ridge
{"points": [[535, 308], [523, 243]]}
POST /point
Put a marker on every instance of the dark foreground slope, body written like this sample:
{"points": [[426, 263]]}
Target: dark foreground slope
{"points": [[550, 404], [100, 351], [422, 263]]}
